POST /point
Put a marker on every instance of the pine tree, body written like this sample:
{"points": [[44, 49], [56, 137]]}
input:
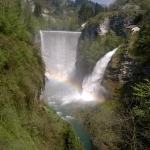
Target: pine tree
{"points": [[37, 10]]}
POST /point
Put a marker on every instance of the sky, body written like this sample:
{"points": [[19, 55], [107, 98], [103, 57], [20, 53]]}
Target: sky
{"points": [[107, 2]]}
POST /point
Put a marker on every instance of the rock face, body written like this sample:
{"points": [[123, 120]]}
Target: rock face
{"points": [[104, 26], [129, 7], [91, 31], [127, 69], [122, 71], [116, 23], [45, 13]]}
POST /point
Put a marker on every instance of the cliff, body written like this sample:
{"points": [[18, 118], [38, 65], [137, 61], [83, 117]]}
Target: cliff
{"points": [[116, 21], [100, 35], [124, 69]]}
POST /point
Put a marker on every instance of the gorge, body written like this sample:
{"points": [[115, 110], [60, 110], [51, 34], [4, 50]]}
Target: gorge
{"points": [[59, 50], [75, 75]]}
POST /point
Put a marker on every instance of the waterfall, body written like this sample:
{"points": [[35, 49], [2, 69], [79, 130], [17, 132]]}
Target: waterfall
{"points": [[59, 53], [92, 83], [58, 49]]}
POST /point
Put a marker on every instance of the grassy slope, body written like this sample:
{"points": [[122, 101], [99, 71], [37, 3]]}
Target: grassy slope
{"points": [[25, 122]]}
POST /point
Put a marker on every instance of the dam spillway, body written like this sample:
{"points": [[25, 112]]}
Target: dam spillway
{"points": [[59, 50]]}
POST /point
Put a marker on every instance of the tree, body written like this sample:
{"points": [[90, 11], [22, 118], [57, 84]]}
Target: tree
{"points": [[80, 2], [85, 13], [98, 8], [142, 45], [37, 10], [136, 119]]}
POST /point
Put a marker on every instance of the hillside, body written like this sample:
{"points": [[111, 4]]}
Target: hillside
{"points": [[26, 123], [63, 14], [122, 121]]}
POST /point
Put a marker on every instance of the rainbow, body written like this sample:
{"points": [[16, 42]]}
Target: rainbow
{"points": [[84, 96]]}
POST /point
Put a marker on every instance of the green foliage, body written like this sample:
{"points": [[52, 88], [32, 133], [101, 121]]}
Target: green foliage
{"points": [[93, 54], [101, 16], [98, 8], [88, 11], [135, 117], [142, 46], [94, 50], [142, 94], [103, 125], [116, 4], [37, 10], [72, 140], [61, 15], [79, 2], [85, 13], [123, 122], [25, 122], [65, 23]]}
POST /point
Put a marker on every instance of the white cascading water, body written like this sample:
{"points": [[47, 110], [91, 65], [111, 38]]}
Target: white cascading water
{"points": [[92, 83], [58, 49], [59, 53]]}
